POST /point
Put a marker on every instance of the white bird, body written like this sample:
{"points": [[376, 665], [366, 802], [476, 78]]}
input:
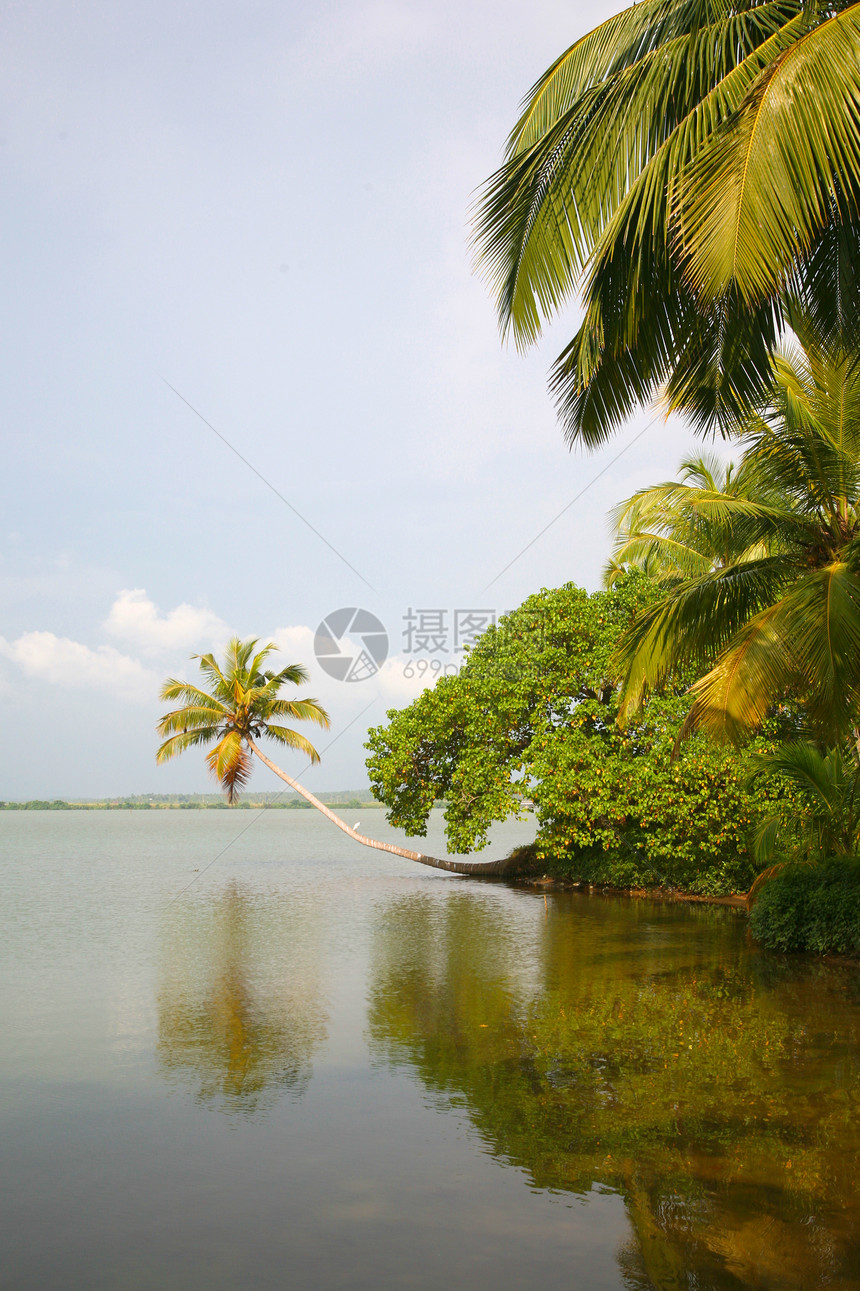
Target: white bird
{"points": [[356, 825]]}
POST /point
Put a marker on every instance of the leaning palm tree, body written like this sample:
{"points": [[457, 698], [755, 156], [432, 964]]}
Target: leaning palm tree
{"points": [[239, 704], [684, 163], [784, 616]]}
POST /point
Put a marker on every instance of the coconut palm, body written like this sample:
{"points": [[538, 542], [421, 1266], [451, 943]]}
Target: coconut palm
{"points": [[680, 529], [239, 704], [829, 824], [242, 702], [686, 161], [783, 616]]}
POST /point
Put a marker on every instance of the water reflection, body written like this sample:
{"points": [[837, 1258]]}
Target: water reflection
{"points": [[240, 1007], [655, 1054]]}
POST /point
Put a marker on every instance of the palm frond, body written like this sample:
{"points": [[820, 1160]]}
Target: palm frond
{"points": [[295, 673], [764, 186], [305, 710], [293, 740], [661, 556], [231, 765], [173, 689], [593, 131], [694, 623], [221, 687], [184, 740], [197, 716], [810, 638]]}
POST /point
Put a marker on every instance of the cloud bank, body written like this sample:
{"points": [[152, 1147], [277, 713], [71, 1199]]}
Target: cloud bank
{"points": [[135, 618], [60, 661]]}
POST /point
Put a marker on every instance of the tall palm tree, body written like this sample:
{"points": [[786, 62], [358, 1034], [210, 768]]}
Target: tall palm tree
{"points": [[240, 705], [680, 529], [784, 616], [686, 161]]}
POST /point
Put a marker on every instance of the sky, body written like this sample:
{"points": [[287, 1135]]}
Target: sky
{"points": [[257, 216]]}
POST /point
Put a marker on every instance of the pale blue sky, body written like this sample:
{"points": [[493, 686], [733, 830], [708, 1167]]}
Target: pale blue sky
{"points": [[267, 206]]}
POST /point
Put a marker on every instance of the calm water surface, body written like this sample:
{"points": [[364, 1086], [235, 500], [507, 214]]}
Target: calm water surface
{"points": [[321, 1067]]}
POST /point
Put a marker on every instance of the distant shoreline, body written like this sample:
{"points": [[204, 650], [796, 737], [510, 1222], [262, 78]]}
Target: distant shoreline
{"points": [[355, 800]]}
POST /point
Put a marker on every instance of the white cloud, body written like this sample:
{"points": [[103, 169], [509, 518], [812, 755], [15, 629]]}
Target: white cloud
{"points": [[296, 644], [400, 680], [63, 662], [136, 618]]}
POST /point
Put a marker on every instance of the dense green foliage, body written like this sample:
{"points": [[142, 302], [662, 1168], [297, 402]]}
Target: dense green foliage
{"points": [[824, 786], [811, 907], [532, 714]]}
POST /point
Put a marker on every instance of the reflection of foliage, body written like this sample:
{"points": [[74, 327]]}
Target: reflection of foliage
{"points": [[715, 1090], [238, 1013]]}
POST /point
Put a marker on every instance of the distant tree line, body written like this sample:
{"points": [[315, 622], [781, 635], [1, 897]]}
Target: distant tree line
{"points": [[185, 802]]}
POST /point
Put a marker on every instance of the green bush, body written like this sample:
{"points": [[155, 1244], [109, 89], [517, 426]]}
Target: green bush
{"points": [[811, 907]]}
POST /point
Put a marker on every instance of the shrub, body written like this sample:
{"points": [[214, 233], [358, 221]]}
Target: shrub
{"points": [[811, 907]]}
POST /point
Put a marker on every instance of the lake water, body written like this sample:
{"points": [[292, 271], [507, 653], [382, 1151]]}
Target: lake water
{"points": [[322, 1067]]}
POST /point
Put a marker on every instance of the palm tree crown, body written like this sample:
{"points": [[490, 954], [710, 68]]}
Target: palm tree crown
{"points": [[241, 703], [784, 614], [688, 161], [683, 528]]}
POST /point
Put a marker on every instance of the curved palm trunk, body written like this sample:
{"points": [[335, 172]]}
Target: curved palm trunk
{"points": [[454, 867]]}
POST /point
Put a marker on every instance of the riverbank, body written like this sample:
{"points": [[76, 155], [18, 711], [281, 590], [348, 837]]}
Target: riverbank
{"points": [[547, 883]]}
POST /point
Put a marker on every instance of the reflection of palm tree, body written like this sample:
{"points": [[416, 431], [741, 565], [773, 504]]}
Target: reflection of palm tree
{"points": [[645, 1061], [239, 1006]]}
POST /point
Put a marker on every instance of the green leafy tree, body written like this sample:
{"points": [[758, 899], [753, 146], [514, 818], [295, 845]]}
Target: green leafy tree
{"points": [[686, 162], [532, 718]]}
